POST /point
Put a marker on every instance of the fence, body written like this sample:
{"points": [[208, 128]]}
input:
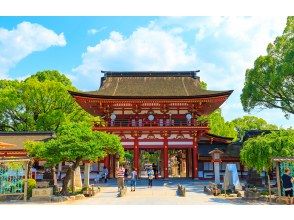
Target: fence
{"points": [[13, 177]]}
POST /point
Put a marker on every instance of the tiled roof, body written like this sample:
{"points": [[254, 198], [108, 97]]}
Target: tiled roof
{"points": [[152, 84]]}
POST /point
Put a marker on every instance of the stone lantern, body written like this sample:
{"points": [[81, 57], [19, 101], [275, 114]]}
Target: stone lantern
{"points": [[216, 160]]}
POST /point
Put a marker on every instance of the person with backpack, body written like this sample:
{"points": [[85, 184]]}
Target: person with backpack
{"points": [[133, 180], [150, 174]]}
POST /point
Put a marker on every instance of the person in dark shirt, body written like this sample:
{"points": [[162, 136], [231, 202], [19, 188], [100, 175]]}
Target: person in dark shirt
{"points": [[154, 167], [287, 183]]}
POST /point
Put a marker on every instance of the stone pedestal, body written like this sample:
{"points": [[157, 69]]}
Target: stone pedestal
{"points": [[254, 178], [42, 194], [77, 179], [216, 173], [251, 194], [87, 174], [43, 184]]}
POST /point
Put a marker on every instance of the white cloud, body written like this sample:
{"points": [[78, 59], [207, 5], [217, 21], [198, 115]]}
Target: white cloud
{"points": [[147, 48], [238, 41], [223, 48], [94, 31], [26, 38]]}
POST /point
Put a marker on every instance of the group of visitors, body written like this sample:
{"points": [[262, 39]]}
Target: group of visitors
{"points": [[123, 175], [152, 172]]}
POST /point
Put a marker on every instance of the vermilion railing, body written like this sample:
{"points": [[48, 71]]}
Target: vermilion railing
{"points": [[154, 123]]}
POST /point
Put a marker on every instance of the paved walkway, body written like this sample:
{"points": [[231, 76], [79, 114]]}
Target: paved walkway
{"points": [[162, 193]]}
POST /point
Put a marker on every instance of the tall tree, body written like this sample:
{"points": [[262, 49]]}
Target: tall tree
{"points": [[251, 123], [270, 83], [74, 143], [40, 102], [258, 152]]}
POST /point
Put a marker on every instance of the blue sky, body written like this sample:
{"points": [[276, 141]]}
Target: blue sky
{"points": [[221, 47]]}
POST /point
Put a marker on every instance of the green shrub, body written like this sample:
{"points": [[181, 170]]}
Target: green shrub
{"points": [[266, 193], [32, 184]]}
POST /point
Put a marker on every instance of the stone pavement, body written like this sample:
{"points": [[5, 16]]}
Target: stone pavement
{"points": [[162, 193]]}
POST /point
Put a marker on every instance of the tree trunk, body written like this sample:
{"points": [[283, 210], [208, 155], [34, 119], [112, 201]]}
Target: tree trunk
{"points": [[72, 181], [65, 182], [30, 165], [68, 176], [269, 188]]}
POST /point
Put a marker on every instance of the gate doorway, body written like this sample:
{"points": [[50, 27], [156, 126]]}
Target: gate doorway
{"points": [[129, 160], [150, 158]]}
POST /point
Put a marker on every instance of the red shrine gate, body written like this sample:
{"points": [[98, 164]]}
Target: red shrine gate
{"points": [[153, 111]]}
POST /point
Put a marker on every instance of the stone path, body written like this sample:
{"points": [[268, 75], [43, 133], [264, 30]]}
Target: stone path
{"points": [[163, 193]]}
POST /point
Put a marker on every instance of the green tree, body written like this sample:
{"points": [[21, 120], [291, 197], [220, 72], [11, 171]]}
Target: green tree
{"points": [[251, 123], [218, 125], [74, 143], [39, 103], [258, 152], [270, 83]]}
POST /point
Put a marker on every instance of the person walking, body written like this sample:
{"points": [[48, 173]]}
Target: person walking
{"points": [[288, 183], [133, 180], [155, 170], [150, 174], [120, 177], [105, 174]]}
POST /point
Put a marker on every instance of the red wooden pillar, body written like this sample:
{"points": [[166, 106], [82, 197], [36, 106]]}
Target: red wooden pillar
{"points": [[136, 155], [165, 158], [195, 158]]}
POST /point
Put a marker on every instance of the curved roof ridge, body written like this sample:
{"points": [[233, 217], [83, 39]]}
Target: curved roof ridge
{"points": [[192, 73]]}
